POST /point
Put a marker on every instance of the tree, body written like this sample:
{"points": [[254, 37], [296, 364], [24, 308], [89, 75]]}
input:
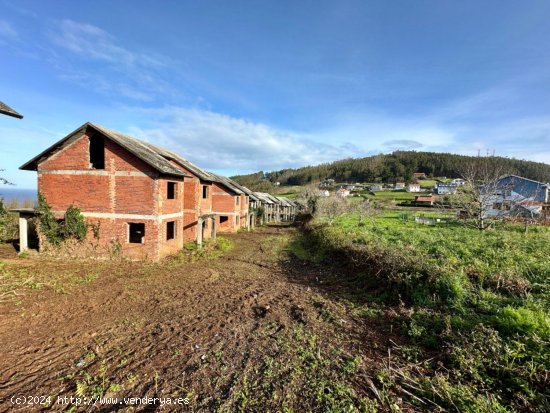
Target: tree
{"points": [[3, 180], [476, 197], [309, 196], [366, 208], [332, 208]]}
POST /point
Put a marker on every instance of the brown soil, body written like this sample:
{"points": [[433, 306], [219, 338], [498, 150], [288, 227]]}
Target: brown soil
{"points": [[252, 330]]}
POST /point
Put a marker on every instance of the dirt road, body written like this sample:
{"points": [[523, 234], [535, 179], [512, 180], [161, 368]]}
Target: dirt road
{"points": [[252, 330]]}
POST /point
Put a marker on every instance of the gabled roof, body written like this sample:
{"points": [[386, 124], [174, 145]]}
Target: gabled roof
{"points": [[524, 179], [142, 150], [228, 183], [284, 201], [250, 193], [244, 189], [202, 174], [264, 198], [273, 198], [6, 110]]}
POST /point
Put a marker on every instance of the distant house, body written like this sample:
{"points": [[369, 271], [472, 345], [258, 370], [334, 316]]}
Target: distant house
{"points": [[413, 188], [458, 182], [6, 110], [399, 185], [517, 196], [446, 189], [419, 175], [350, 187], [375, 188], [343, 192], [424, 200]]}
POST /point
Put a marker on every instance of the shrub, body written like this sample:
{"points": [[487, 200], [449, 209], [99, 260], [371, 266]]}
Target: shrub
{"points": [[525, 320], [9, 227], [48, 225], [74, 225]]}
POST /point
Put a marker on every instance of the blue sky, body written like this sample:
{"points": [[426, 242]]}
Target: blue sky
{"points": [[244, 86]]}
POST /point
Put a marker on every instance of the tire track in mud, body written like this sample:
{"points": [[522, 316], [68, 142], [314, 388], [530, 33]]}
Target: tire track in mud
{"points": [[188, 330]]}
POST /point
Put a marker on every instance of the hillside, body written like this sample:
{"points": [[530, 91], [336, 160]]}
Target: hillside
{"points": [[399, 165]]}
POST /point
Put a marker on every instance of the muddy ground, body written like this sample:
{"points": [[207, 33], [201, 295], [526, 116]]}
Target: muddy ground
{"points": [[254, 329]]}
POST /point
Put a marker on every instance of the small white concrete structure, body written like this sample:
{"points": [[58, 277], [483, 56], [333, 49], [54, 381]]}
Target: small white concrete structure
{"points": [[24, 215]]}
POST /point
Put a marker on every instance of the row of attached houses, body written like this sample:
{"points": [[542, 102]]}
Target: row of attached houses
{"points": [[148, 199], [277, 209]]}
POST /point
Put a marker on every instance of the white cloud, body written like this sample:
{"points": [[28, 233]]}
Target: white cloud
{"points": [[95, 43], [116, 70], [7, 31], [221, 142], [217, 141]]}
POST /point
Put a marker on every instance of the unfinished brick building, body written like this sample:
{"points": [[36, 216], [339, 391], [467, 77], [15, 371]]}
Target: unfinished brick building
{"points": [[147, 199], [231, 205]]}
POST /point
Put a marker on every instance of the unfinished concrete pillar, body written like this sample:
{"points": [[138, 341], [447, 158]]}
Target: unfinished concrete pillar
{"points": [[199, 232], [214, 228], [23, 234]]}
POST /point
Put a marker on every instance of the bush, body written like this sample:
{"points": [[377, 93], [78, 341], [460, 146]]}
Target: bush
{"points": [[72, 227], [48, 225], [9, 227]]}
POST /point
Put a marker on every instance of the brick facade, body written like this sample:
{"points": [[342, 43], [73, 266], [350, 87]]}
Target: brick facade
{"points": [[128, 191], [225, 204], [146, 201]]}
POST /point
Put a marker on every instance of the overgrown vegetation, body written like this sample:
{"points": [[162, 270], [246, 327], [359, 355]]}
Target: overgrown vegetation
{"points": [[209, 250], [8, 223], [473, 307], [72, 227]]}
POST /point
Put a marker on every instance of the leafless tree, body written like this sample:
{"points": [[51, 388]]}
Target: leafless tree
{"points": [[366, 209], [475, 199], [3, 180], [309, 197], [332, 208]]}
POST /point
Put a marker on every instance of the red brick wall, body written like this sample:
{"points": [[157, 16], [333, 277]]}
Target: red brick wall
{"points": [[101, 191], [194, 206], [127, 185], [115, 231], [223, 201], [205, 203], [190, 206], [134, 195], [89, 193], [170, 206], [75, 156], [173, 246]]}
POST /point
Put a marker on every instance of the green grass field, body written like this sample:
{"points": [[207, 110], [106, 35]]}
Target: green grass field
{"points": [[427, 183], [475, 304]]}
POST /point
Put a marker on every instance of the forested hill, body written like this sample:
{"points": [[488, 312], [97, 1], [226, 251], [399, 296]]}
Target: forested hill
{"points": [[398, 165]]}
